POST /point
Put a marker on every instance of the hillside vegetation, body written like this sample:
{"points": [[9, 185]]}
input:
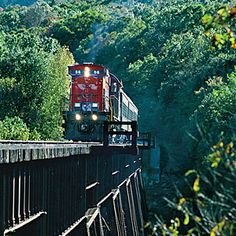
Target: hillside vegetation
{"points": [[176, 60]]}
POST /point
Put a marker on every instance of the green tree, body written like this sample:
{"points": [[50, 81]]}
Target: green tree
{"points": [[74, 28], [40, 84], [55, 92]]}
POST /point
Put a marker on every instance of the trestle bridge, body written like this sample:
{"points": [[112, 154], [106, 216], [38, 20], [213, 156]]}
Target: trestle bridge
{"points": [[66, 188]]}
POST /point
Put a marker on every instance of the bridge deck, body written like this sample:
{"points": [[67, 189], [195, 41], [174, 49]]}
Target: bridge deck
{"points": [[18, 151]]}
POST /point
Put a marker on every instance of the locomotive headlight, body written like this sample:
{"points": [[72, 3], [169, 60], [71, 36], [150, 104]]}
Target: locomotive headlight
{"points": [[78, 117], [86, 71], [94, 117]]}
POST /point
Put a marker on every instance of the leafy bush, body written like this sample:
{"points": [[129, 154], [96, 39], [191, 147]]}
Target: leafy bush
{"points": [[13, 128]]}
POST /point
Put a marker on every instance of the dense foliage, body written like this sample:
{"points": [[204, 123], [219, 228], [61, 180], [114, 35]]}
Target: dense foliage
{"points": [[33, 75], [176, 59]]}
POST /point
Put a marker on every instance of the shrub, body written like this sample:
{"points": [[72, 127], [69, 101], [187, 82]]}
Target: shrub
{"points": [[13, 128]]}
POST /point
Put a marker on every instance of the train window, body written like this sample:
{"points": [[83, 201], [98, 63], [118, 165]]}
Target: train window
{"points": [[114, 87]]}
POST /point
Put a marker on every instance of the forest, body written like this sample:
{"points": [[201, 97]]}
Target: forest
{"points": [[177, 61]]}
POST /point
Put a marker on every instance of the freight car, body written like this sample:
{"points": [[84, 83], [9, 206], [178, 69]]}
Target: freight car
{"points": [[96, 95]]}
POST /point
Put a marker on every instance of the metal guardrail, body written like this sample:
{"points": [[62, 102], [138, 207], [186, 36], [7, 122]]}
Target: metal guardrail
{"points": [[109, 131]]}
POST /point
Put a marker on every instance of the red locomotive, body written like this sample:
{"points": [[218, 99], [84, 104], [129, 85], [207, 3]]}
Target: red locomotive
{"points": [[96, 95]]}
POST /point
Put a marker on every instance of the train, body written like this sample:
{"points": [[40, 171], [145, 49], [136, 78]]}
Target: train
{"points": [[96, 95]]}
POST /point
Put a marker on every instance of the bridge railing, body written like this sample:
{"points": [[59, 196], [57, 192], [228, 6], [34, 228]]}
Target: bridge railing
{"points": [[111, 128], [50, 195]]}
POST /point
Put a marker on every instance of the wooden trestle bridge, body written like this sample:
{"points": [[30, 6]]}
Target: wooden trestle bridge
{"points": [[63, 188]]}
